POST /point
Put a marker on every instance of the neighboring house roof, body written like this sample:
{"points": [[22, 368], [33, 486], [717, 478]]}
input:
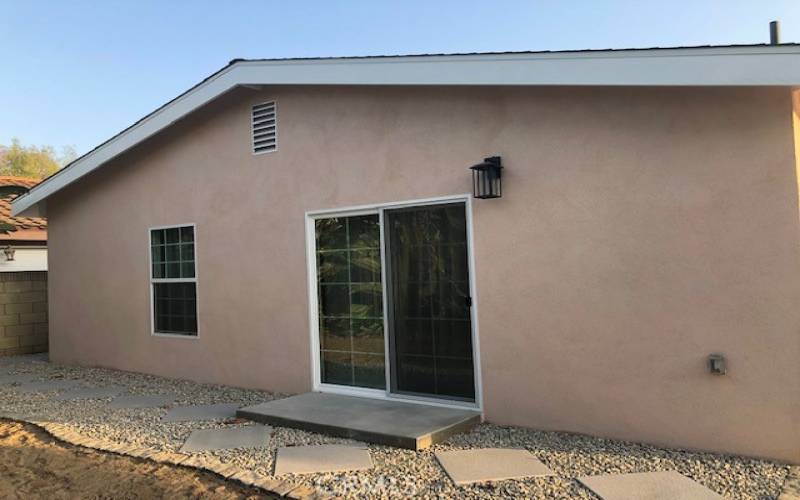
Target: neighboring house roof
{"points": [[730, 65], [10, 180], [18, 229]]}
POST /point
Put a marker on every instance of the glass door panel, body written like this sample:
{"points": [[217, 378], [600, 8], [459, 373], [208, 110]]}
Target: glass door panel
{"points": [[350, 301], [429, 301]]}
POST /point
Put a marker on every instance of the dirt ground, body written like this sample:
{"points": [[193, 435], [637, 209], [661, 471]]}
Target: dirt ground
{"points": [[35, 465]]}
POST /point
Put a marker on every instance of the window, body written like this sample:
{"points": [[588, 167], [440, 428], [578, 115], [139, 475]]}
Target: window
{"points": [[173, 281], [264, 127]]}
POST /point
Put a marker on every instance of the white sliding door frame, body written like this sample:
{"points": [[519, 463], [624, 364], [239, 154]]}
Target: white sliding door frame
{"points": [[313, 310]]}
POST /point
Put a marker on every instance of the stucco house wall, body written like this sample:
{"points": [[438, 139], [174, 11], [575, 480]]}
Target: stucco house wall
{"points": [[640, 230]]}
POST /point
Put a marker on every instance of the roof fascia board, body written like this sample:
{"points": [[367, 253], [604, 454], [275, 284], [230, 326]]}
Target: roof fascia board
{"points": [[774, 66], [714, 66]]}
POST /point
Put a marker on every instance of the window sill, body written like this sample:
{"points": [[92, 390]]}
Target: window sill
{"points": [[173, 335]]}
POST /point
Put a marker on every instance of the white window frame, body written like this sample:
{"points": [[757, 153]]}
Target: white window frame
{"points": [[154, 281], [274, 102], [313, 310]]}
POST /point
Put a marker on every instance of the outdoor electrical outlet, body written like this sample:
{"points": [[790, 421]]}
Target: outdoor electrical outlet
{"points": [[716, 364]]}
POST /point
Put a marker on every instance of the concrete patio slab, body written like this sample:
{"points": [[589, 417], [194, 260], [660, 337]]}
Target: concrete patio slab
{"points": [[667, 485], [17, 378], [141, 401], [392, 423], [91, 393], [47, 385], [252, 436], [490, 464], [201, 412], [322, 458]]}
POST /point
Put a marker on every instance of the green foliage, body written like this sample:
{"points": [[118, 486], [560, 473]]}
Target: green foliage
{"points": [[32, 161]]}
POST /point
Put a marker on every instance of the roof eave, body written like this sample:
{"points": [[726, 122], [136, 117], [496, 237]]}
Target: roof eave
{"points": [[761, 65]]}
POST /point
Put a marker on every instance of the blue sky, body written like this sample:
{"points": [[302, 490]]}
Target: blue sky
{"points": [[77, 72]]}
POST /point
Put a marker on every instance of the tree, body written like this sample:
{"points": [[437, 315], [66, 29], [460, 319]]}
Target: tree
{"points": [[32, 161]]}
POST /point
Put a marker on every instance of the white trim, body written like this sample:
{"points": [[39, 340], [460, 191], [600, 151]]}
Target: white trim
{"points": [[174, 336], [362, 392], [344, 390], [766, 65], [433, 401], [152, 281], [375, 207], [313, 306], [476, 343], [313, 311]]}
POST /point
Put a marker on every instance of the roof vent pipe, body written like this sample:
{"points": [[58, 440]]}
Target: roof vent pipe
{"points": [[774, 33]]}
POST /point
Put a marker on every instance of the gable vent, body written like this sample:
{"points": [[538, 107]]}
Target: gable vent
{"points": [[265, 131]]}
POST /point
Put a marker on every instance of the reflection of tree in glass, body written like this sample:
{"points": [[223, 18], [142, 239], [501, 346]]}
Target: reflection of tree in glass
{"points": [[366, 300], [349, 274], [365, 266]]}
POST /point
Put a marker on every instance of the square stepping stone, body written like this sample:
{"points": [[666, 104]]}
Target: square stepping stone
{"points": [[667, 485], [490, 464], [252, 436], [91, 393], [16, 378], [47, 385], [141, 401], [201, 412], [322, 458]]}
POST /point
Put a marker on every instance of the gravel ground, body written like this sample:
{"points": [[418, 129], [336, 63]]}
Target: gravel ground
{"points": [[397, 473]]}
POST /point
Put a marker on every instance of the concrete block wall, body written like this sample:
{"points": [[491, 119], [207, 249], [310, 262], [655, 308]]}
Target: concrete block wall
{"points": [[23, 312]]}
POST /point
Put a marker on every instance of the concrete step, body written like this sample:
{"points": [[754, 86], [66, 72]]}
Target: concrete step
{"points": [[393, 423]]}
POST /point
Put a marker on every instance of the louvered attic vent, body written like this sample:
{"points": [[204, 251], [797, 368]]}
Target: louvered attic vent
{"points": [[265, 131]]}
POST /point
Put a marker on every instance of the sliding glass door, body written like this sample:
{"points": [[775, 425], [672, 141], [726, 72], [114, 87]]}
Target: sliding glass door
{"points": [[350, 301], [422, 254], [429, 308]]}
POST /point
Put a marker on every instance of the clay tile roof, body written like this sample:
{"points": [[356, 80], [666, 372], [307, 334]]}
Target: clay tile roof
{"points": [[5, 205], [26, 182]]}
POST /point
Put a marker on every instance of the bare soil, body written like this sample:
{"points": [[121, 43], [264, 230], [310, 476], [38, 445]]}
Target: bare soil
{"points": [[35, 465]]}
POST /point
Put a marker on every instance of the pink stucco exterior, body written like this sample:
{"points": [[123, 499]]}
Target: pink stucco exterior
{"points": [[640, 230]]}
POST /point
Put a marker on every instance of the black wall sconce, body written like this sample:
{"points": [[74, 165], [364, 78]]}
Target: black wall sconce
{"points": [[487, 178]]}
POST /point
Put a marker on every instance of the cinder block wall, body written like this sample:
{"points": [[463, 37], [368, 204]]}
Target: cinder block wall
{"points": [[23, 312]]}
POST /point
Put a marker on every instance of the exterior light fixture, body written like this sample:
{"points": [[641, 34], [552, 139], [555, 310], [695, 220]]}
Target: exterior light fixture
{"points": [[9, 251], [486, 178]]}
